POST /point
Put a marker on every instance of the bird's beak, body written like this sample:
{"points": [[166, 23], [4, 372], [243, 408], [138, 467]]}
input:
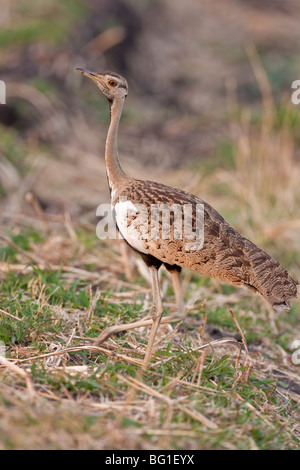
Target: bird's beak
{"points": [[96, 77]]}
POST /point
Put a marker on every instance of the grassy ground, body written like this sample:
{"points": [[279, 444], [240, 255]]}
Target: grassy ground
{"points": [[224, 377], [204, 390]]}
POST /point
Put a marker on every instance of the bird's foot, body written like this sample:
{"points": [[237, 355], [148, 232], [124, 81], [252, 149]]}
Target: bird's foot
{"points": [[114, 329]]}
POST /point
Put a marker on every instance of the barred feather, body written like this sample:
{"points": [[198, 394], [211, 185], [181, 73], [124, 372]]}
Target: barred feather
{"points": [[225, 254]]}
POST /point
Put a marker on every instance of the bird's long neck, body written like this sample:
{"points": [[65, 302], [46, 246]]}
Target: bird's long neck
{"points": [[114, 170]]}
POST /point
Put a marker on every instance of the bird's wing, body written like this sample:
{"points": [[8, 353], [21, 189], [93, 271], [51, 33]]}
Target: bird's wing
{"points": [[204, 241]]}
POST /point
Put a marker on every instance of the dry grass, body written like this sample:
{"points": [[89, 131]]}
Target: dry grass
{"points": [[60, 391], [221, 379], [206, 387], [201, 391]]}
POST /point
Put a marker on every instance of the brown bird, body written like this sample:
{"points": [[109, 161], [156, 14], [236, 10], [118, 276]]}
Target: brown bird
{"points": [[201, 241]]}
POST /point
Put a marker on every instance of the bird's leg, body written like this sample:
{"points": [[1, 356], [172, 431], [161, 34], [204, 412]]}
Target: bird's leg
{"points": [[177, 286], [154, 321], [156, 314], [114, 329], [175, 271], [125, 259]]}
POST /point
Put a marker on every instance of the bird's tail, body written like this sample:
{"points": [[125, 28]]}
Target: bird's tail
{"points": [[270, 279]]}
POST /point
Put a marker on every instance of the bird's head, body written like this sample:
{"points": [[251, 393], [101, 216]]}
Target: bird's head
{"points": [[112, 85]]}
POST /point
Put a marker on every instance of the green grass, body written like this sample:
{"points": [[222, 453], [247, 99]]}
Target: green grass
{"points": [[242, 404], [50, 23], [23, 240], [57, 391], [12, 146]]}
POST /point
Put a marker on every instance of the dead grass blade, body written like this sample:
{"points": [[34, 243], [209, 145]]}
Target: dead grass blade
{"points": [[22, 373], [91, 347], [198, 417], [29, 255], [10, 315], [241, 333]]}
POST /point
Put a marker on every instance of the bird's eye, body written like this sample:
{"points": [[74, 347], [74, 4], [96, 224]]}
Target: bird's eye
{"points": [[113, 83]]}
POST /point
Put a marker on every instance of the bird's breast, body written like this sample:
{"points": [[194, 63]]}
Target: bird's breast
{"points": [[132, 221]]}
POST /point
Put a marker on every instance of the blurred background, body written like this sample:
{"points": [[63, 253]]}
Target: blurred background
{"points": [[209, 108]]}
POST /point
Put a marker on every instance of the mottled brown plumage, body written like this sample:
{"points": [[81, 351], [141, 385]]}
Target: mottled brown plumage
{"points": [[225, 253]]}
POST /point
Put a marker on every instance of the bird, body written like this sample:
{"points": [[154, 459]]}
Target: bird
{"points": [[222, 252]]}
